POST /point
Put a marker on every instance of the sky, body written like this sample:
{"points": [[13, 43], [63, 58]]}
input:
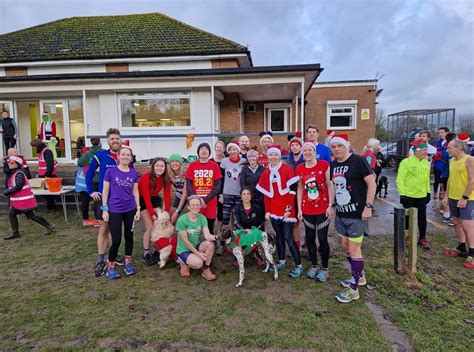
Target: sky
{"points": [[423, 48]]}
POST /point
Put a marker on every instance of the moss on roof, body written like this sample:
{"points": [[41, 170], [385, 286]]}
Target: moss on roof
{"points": [[142, 35]]}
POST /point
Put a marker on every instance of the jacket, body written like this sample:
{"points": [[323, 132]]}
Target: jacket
{"points": [[256, 217], [102, 161], [413, 178]]}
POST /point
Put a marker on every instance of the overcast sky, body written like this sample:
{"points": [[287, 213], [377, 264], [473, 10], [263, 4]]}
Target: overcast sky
{"points": [[424, 48]]}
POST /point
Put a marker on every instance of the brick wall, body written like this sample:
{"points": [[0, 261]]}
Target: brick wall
{"points": [[225, 63], [229, 113], [119, 67], [316, 111], [16, 71]]}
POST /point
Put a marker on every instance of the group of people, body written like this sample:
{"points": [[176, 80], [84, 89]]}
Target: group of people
{"points": [[243, 189]]}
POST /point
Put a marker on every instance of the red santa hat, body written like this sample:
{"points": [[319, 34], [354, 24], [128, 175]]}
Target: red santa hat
{"points": [[232, 144], [329, 132], [296, 139], [464, 137], [419, 144], [264, 135], [342, 139], [126, 144], [274, 149]]}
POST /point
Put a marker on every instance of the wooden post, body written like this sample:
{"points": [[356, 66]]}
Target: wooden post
{"points": [[413, 236], [399, 240]]}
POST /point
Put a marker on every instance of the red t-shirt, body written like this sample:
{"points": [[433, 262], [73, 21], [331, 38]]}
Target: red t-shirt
{"points": [[146, 192], [315, 190], [369, 155], [203, 176]]}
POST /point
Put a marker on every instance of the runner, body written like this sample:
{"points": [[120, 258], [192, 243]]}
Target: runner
{"points": [[103, 160], [315, 192], [296, 156], [441, 146], [219, 149], [47, 167], [354, 187], [425, 136], [22, 199], [460, 197], [121, 205], [193, 254], [370, 149], [244, 144], [250, 175], [278, 184], [413, 184], [149, 187], [178, 180], [323, 152], [266, 141], [204, 179], [446, 218]]}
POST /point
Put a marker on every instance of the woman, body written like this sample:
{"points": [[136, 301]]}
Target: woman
{"points": [[178, 180], [121, 204], [219, 155], [315, 190], [22, 199], [278, 185], [250, 175], [149, 188], [192, 253], [370, 149]]}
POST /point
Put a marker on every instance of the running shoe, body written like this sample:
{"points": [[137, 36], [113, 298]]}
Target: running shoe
{"points": [[208, 274], [347, 282], [147, 260], [185, 271], [348, 295], [100, 268], [312, 271], [447, 220], [86, 223], [296, 272], [156, 256], [129, 269], [112, 274], [454, 253], [323, 275], [424, 244], [120, 260], [280, 266], [469, 263]]}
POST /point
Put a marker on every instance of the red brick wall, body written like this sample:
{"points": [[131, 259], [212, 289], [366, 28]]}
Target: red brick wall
{"points": [[229, 113], [316, 111]]}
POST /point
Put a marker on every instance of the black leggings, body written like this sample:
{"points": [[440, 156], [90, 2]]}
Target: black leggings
{"points": [[115, 226], [420, 204], [319, 224], [230, 202], [284, 233], [85, 201], [30, 214], [437, 180]]}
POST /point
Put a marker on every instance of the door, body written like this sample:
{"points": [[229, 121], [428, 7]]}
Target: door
{"points": [[277, 119], [57, 110], [7, 105]]}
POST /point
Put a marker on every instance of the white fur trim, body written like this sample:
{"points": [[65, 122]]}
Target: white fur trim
{"points": [[276, 217], [340, 140], [269, 194], [232, 145], [265, 136], [274, 150]]}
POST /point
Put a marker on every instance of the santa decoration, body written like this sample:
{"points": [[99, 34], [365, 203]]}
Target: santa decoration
{"points": [[47, 132]]}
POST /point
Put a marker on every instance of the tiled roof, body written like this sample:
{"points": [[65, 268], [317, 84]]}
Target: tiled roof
{"points": [[98, 37]]}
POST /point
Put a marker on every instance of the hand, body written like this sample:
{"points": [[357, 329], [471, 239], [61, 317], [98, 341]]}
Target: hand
{"points": [[203, 204], [267, 216], [300, 215], [248, 231], [105, 216], [445, 201], [96, 196], [403, 199], [221, 198], [367, 213], [174, 217], [330, 212], [462, 203], [203, 256], [137, 215], [286, 214], [15, 136]]}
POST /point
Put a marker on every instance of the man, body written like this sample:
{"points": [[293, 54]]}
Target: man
{"points": [[322, 151], [464, 137], [244, 144], [266, 141], [47, 167], [354, 185], [295, 157], [425, 137], [204, 178], [413, 184], [103, 160], [460, 197], [8, 130], [441, 147]]}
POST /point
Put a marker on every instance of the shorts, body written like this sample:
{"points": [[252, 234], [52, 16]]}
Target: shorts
{"points": [[466, 213], [155, 202], [183, 256], [355, 229]]}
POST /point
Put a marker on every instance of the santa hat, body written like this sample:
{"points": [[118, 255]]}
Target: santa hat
{"points": [[252, 153], [464, 137], [16, 159], [307, 142], [274, 149], [329, 132], [342, 139], [126, 144], [232, 144], [419, 144], [266, 134], [296, 139]]}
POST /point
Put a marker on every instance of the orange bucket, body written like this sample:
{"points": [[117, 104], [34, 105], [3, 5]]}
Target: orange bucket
{"points": [[53, 184]]}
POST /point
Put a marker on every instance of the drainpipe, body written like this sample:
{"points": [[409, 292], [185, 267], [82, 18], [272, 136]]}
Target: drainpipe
{"points": [[302, 107], [213, 122]]}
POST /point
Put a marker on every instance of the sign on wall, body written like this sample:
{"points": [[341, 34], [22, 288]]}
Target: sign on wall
{"points": [[365, 114]]}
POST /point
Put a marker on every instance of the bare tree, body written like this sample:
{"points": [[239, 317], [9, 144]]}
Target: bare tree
{"points": [[465, 123], [381, 125]]}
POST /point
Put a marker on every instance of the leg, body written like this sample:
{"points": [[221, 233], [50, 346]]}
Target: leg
{"points": [[240, 259], [269, 256], [14, 224], [194, 261], [63, 201], [115, 225], [437, 175], [357, 260], [147, 220], [40, 220], [226, 209], [85, 199], [288, 233], [279, 238], [207, 247], [322, 228], [309, 222], [421, 206]]}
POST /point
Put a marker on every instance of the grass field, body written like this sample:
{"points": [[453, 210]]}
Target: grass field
{"points": [[49, 299]]}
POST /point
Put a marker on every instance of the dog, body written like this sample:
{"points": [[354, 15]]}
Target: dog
{"points": [[245, 240], [382, 185], [164, 238]]}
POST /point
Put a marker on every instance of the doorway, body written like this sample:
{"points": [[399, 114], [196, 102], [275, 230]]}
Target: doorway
{"points": [[28, 117]]}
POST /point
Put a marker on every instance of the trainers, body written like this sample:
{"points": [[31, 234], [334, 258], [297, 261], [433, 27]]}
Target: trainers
{"points": [[120, 260], [12, 236], [147, 260], [454, 253], [129, 269], [424, 244], [323, 275], [100, 269], [347, 282], [447, 220], [156, 256], [312, 272], [50, 230], [348, 295], [208, 274], [112, 274], [185, 271], [469, 263], [296, 272], [280, 266]]}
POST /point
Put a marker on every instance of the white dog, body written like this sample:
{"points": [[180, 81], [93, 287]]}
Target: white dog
{"points": [[164, 238]]}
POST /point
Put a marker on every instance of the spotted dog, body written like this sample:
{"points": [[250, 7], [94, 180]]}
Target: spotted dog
{"points": [[240, 241]]}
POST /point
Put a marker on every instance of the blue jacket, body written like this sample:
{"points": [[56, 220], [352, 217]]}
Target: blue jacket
{"points": [[445, 167], [102, 160], [293, 163], [323, 152]]}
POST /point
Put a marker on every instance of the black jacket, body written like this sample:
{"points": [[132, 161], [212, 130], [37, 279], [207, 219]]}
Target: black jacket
{"points": [[8, 128], [20, 181], [255, 218], [250, 179]]}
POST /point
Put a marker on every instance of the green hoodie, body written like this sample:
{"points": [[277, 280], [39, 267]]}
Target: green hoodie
{"points": [[413, 177], [85, 159]]}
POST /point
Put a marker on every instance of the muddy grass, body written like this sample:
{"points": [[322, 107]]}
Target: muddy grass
{"points": [[49, 299]]}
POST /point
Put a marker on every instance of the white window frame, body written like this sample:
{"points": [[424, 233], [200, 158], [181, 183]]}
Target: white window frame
{"points": [[148, 95], [276, 106], [341, 104]]}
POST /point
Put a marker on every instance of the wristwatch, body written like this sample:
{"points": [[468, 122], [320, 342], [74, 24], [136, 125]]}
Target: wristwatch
{"points": [[368, 205], [465, 197]]}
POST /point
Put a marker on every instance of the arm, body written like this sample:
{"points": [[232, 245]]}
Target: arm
{"points": [[207, 234], [167, 196], [105, 198], [330, 186], [19, 183], [215, 191], [90, 177], [184, 237], [268, 204], [401, 177], [137, 200], [49, 159], [242, 178], [371, 187], [189, 187], [15, 128], [299, 198], [235, 214], [470, 185], [145, 192], [84, 159]]}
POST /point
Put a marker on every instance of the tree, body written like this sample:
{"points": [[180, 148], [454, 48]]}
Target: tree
{"points": [[381, 125], [465, 124]]}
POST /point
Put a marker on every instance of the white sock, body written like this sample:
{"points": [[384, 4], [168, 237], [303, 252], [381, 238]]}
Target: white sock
{"points": [[446, 214]]}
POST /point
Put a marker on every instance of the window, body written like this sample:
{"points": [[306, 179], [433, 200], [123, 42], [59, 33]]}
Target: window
{"points": [[251, 108], [156, 110], [341, 114]]}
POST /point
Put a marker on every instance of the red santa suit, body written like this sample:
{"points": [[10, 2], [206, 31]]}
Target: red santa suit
{"points": [[47, 130], [275, 184]]}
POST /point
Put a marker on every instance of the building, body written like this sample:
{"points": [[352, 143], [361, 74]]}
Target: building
{"points": [[163, 84]]}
